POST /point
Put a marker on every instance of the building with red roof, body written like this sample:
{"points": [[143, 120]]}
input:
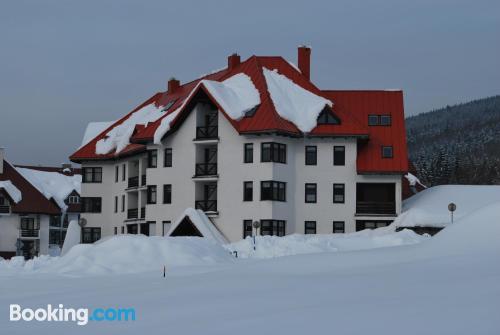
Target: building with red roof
{"points": [[254, 142]]}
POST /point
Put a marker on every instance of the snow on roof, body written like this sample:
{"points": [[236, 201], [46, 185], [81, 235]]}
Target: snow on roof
{"points": [[53, 185], [119, 137], [93, 129], [294, 103], [202, 223], [235, 95], [11, 190], [413, 180], [429, 208]]}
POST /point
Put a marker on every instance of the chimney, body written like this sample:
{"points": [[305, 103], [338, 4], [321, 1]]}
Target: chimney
{"points": [[233, 61], [2, 155], [304, 60], [173, 85]]}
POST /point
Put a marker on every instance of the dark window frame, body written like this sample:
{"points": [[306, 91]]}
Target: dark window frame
{"points": [[92, 174], [152, 193], [167, 193], [124, 172], [116, 204], [248, 153], [117, 171], [167, 157], [326, 117], [386, 117], [311, 156], [338, 227], [152, 158], [123, 203], [276, 191], [391, 148], [338, 186], [339, 155], [273, 152], [247, 224], [311, 229], [308, 187], [273, 227], [248, 191], [91, 204], [373, 119], [91, 234]]}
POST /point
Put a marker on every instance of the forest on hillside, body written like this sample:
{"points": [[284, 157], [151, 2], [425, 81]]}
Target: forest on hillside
{"points": [[457, 144]]}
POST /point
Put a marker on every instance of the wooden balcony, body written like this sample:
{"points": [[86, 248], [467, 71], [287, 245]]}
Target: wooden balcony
{"points": [[206, 169], [206, 205], [375, 207], [207, 133]]}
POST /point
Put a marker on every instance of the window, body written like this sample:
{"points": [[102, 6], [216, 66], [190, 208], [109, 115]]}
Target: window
{"points": [[55, 236], [167, 194], [273, 190], [385, 120], [116, 204], [124, 172], [273, 152], [164, 228], [310, 227], [123, 229], [272, 227], [152, 194], [152, 158], [338, 155], [338, 227], [168, 105], [327, 117], [92, 175], [338, 193], [373, 120], [310, 193], [73, 199], [90, 234], [123, 203], [247, 228], [371, 224], [248, 191], [116, 230], [29, 224], [91, 205], [3, 201], [167, 159], [117, 169], [248, 156], [387, 152], [311, 155]]}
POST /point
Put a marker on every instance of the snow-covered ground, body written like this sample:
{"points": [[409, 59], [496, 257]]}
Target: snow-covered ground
{"points": [[377, 282]]}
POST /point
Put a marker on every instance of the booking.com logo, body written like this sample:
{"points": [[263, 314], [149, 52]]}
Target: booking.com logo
{"points": [[80, 315]]}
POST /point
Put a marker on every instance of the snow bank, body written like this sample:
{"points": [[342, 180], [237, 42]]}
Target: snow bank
{"points": [[119, 137], [272, 246], [202, 223], [294, 103], [53, 185], [11, 190], [93, 129], [72, 237], [429, 208]]}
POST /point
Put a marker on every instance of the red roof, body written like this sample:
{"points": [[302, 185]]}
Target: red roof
{"points": [[32, 202], [360, 104], [350, 109]]}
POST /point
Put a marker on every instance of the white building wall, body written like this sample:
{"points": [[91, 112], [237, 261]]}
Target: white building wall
{"points": [[9, 231]]}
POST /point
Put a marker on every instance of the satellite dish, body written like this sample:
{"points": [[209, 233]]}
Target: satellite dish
{"points": [[82, 222]]}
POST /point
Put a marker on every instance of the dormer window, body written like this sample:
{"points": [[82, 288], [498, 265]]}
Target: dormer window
{"points": [[73, 199], [327, 117], [169, 105]]}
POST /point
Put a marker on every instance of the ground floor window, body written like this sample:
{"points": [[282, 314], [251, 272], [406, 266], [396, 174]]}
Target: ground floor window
{"points": [[247, 228], [132, 229], [91, 234], [338, 227], [371, 224], [165, 227], [272, 227], [310, 227]]}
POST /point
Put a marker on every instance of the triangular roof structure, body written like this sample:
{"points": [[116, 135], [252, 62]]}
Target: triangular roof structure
{"points": [[201, 225]]}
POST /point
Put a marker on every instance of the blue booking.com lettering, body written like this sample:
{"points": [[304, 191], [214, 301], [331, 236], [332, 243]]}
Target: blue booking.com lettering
{"points": [[112, 314]]}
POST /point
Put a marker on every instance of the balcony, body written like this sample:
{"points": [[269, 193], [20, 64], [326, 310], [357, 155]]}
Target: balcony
{"points": [[206, 133], [4, 209], [29, 233], [143, 212], [375, 207], [143, 180], [132, 213], [133, 182], [206, 169], [206, 205]]}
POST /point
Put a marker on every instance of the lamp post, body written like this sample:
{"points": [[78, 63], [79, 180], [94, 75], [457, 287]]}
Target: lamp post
{"points": [[255, 225], [452, 207]]}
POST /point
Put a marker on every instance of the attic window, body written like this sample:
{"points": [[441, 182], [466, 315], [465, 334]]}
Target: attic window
{"points": [[168, 105], [327, 117], [251, 111]]}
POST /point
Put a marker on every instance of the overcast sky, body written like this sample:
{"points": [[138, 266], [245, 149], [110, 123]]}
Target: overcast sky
{"points": [[66, 63]]}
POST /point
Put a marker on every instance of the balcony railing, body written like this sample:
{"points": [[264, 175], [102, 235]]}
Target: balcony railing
{"points": [[206, 169], [29, 233], [4, 209], [143, 180], [375, 207], [206, 205], [133, 181], [143, 212], [133, 213], [205, 133]]}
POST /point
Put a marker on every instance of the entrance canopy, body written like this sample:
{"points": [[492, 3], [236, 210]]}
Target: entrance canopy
{"points": [[195, 223]]}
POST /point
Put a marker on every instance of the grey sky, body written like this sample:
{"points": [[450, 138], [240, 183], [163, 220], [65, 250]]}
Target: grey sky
{"points": [[65, 63]]}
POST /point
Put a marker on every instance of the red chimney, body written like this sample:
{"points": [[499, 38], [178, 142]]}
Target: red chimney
{"points": [[304, 60], [233, 61], [173, 85]]}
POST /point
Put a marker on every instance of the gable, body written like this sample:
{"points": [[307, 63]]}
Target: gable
{"points": [[186, 228]]}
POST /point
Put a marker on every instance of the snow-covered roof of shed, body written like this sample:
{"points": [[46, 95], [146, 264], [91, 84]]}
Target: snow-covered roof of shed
{"points": [[202, 223]]}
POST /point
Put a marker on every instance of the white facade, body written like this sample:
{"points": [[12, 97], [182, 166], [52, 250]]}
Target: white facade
{"points": [[232, 172]]}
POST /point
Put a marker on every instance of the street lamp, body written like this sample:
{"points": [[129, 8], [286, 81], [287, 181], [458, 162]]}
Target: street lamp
{"points": [[452, 207], [255, 225]]}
